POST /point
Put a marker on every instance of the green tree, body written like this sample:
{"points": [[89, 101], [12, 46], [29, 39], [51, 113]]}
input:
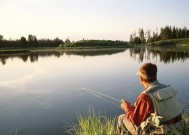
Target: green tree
{"points": [[131, 40], [187, 33], [23, 42], [57, 42], [32, 40], [165, 33], [1, 37], [179, 33], [155, 35], [137, 40], [141, 35], [148, 36], [67, 41], [174, 32], [183, 33]]}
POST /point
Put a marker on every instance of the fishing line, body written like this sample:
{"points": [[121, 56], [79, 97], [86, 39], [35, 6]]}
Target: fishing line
{"points": [[102, 94], [103, 98], [95, 93]]}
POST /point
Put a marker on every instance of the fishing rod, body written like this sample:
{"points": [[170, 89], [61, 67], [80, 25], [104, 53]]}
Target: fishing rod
{"points": [[101, 95], [102, 98]]}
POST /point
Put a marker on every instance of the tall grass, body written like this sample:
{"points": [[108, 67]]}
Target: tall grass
{"points": [[100, 124], [185, 128], [186, 123], [94, 124], [10, 132]]}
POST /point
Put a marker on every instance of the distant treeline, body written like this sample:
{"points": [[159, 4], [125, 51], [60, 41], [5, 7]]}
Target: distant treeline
{"points": [[166, 33], [33, 42], [96, 43], [30, 42], [166, 55]]}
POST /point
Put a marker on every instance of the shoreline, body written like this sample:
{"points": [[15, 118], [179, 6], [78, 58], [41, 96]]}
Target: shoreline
{"points": [[55, 49]]}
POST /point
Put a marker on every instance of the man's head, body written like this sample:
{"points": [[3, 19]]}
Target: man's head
{"points": [[148, 72]]}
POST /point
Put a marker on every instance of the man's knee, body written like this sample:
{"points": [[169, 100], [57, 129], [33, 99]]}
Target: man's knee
{"points": [[126, 125], [121, 117]]}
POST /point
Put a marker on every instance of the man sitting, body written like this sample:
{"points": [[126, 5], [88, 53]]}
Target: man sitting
{"points": [[156, 100]]}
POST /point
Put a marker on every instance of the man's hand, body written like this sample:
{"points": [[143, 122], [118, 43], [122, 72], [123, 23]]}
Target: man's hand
{"points": [[125, 105]]}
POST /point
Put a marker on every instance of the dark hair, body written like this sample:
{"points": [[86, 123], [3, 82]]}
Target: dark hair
{"points": [[150, 71]]}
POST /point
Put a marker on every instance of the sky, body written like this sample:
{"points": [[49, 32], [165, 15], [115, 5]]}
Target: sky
{"points": [[89, 19]]}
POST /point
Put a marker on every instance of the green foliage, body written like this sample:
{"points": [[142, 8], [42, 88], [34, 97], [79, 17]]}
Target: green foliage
{"points": [[166, 33], [96, 43], [1, 37], [94, 124], [67, 41], [10, 132], [15, 51], [178, 42], [186, 123], [31, 42], [93, 52], [98, 124], [141, 35]]}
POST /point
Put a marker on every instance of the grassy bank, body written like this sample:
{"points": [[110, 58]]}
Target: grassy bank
{"points": [[95, 44], [94, 124], [171, 42], [98, 124], [13, 51], [15, 132], [67, 47]]}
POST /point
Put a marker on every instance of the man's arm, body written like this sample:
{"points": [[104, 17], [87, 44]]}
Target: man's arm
{"points": [[141, 111], [126, 106]]}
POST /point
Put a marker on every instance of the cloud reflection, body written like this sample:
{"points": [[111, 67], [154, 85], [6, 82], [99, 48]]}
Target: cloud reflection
{"points": [[20, 83]]}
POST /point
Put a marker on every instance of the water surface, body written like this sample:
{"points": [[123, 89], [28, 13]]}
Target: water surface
{"points": [[41, 91]]}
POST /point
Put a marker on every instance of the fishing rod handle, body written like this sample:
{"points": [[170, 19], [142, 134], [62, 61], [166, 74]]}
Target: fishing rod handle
{"points": [[122, 100]]}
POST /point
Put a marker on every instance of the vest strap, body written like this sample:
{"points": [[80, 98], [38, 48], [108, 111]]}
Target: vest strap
{"points": [[174, 120]]}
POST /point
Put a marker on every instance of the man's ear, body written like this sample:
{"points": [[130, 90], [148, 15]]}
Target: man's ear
{"points": [[141, 79]]}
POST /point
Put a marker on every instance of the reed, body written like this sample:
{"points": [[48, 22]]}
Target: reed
{"points": [[94, 124], [10, 132], [186, 123]]}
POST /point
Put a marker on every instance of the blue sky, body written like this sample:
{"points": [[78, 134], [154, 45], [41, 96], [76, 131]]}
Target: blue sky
{"points": [[89, 19]]}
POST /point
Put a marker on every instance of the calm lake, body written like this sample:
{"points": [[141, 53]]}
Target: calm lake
{"points": [[40, 93]]}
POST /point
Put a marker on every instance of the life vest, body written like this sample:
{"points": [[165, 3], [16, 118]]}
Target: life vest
{"points": [[164, 101]]}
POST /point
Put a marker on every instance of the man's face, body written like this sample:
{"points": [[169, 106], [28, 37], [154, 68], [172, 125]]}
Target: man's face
{"points": [[140, 78], [141, 81]]}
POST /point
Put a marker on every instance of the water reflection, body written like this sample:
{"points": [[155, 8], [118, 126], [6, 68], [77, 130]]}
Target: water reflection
{"points": [[96, 52], [33, 56], [166, 55]]}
